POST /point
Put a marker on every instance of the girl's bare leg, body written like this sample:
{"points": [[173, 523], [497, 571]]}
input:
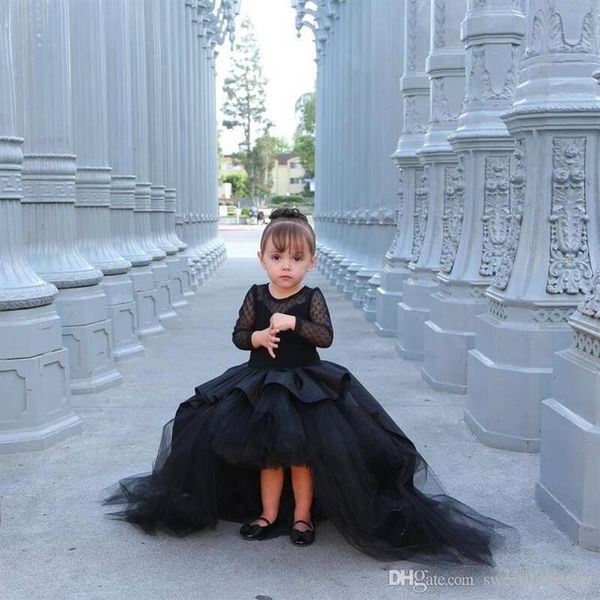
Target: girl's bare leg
{"points": [[302, 485], [271, 486]]}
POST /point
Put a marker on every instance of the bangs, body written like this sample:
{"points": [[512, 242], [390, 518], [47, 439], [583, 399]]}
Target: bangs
{"points": [[291, 236]]}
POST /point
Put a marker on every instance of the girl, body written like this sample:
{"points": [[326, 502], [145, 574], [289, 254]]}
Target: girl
{"points": [[286, 439]]}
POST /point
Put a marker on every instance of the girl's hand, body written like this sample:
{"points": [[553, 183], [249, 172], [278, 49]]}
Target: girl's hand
{"points": [[266, 338], [282, 322]]}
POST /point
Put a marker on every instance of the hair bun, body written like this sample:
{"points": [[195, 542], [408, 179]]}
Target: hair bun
{"points": [[287, 213]]}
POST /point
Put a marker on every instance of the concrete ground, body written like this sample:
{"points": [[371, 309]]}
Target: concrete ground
{"points": [[56, 543]]}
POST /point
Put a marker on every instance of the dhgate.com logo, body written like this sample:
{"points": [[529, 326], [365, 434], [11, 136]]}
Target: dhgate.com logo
{"points": [[420, 579]]}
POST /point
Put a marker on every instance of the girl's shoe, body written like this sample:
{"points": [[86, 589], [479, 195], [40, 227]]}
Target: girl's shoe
{"points": [[303, 538], [254, 531]]}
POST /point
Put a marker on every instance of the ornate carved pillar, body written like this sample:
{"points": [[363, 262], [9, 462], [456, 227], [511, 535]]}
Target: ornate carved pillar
{"points": [[440, 177], [569, 485], [474, 217], [49, 196], [128, 140], [93, 179], [414, 87], [552, 230], [34, 367], [386, 59]]}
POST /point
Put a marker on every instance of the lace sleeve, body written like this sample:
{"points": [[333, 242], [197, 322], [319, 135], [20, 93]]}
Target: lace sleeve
{"points": [[318, 329], [244, 326]]}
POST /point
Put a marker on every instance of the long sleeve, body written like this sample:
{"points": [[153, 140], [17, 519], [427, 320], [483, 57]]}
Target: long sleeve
{"points": [[318, 330], [244, 326]]}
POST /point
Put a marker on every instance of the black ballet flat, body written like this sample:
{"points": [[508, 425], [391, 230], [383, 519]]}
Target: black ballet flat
{"points": [[303, 538], [250, 531]]}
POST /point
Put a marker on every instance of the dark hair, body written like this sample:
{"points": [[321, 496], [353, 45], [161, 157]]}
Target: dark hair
{"points": [[288, 228]]}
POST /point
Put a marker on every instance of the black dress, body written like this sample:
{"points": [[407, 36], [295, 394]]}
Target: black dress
{"points": [[296, 409]]}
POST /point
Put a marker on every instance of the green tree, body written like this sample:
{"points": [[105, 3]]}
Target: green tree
{"points": [[244, 107], [239, 183], [304, 137]]}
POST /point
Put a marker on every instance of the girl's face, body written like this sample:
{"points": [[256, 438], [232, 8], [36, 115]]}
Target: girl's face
{"points": [[286, 269]]}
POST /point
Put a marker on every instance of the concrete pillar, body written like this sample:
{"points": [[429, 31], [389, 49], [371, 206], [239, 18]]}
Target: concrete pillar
{"points": [[441, 176], [386, 60], [474, 216], [127, 143], [49, 171], [93, 179], [181, 277], [414, 88], [569, 485], [34, 368], [552, 248], [159, 147]]}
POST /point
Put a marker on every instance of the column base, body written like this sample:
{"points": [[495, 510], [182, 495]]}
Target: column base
{"points": [[413, 311], [388, 296], [87, 335], [123, 316], [160, 271], [447, 337], [176, 299], [35, 411], [509, 373]]}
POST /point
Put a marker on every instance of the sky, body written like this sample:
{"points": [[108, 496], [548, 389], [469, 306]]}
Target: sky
{"points": [[288, 64]]}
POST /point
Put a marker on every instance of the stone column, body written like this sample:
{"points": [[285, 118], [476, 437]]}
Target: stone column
{"points": [[440, 177], [34, 367], [474, 218], [414, 87], [181, 272], [387, 46], [93, 179], [150, 274], [159, 147], [553, 238], [49, 196], [569, 485]]}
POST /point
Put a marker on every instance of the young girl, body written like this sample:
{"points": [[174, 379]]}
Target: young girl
{"points": [[286, 440]]}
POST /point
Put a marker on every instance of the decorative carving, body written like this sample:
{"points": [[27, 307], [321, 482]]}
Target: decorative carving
{"points": [[411, 36], [439, 38], [587, 343], [570, 270], [480, 81], [454, 200], [497, 309], [552, 315], [517, 181], [421, 210], [590, 305], [496, 213], [441, 109], [412, 121], [548, 35]]}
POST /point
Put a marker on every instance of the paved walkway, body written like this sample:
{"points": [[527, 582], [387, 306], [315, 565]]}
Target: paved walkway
{"points": [[55, 543]]}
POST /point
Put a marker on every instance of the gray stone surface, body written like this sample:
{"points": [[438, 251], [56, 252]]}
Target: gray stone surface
{"points": [[55, 542]]}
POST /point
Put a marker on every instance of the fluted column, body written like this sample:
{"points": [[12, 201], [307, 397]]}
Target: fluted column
{"points": [[35, 410], [553, 237], [158, 107], [180, 270], [386, 60], [441, 176], [414, 87], [474, 218], [93, 180], [49, 171], [569, 482], [149, 272]]}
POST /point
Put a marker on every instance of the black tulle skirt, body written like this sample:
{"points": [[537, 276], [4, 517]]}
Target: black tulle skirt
{"points": [[369, 480]]}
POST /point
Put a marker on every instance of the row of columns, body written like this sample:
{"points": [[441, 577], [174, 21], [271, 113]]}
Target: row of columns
{"points": [[107, 192], [489, 278]]}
